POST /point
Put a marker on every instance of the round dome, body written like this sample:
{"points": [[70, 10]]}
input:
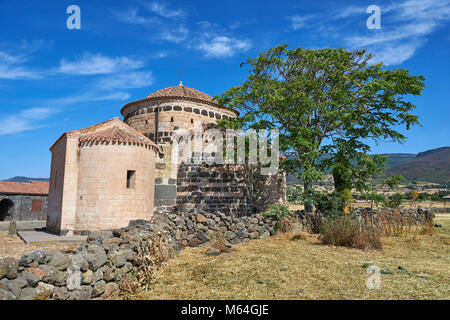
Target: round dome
{"points": [[181, 91]]}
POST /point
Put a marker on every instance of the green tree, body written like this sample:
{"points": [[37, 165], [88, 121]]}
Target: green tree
{"points": [[323, 101]]}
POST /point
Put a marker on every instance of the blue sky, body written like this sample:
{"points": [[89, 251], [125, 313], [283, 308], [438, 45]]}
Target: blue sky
{"points": [[53, 79]]}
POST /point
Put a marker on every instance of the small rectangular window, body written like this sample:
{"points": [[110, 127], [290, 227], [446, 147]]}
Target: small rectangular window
{"points": [[36, 205], [131, 179]]}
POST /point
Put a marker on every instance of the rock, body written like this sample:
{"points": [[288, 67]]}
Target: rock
{"points": [[6, 295], [84, 293], [110, 288], [99, 288], [12, 230], [37, 272], [60, 293], [240, 226], [254, 235], [51, 274], [88, 277], [241, 234], [194, 242], [229, 235], [119, 258], [109, 274], [253, 228], [60, 261], [236, 240], [202, 237], [261, 230], [44, 291], [78, 262], [74, 280], [31, 279], [210, 223], [28, 294], [190, 225], [212, 252], [438, 225], [99, 235], [95, 257], [98, 275], [9, 268], [200, 218]]}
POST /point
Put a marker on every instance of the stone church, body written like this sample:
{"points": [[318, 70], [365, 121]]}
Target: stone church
{"points": [[107, 174]]}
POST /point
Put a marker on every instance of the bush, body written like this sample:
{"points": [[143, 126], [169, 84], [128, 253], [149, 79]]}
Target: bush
{"points": [[343, 231]]}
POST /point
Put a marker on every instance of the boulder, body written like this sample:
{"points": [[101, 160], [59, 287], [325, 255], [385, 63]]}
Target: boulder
{"points": [[6, 295], [31, 279], [9, 268], [99, 288], [200, 218], [78, 262], [88, 277], [44, 291], [95, 257], [28, 294], [60, 293], [110, 289], [60, 261], [120, 257], [74, 280]]}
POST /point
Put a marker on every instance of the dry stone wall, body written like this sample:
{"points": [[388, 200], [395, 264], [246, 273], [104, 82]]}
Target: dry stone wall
{"points": [[95, 269]]}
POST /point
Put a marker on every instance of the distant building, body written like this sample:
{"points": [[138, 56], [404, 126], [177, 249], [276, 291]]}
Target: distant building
{"points": [[23, 200]]}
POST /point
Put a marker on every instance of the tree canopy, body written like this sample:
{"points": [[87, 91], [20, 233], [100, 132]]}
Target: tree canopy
{"points": [[325, 102]]}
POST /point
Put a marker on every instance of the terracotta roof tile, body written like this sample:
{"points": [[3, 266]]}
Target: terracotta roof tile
{"points": [[183, 93], [31, 187], [115, 134]]}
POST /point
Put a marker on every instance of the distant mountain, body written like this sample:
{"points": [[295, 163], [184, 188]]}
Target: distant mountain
{"points": [[25, 179], [395, 159], [431, 165]]}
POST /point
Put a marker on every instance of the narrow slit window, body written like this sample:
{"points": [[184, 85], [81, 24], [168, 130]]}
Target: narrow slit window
{"points": [[171, 119], [131, 179]]}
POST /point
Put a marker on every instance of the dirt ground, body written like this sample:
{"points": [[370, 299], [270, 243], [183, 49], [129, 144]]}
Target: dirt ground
{"points": [[14, 247]]}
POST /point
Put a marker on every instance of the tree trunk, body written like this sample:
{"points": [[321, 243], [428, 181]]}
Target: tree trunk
{"points": [[307, 187]]}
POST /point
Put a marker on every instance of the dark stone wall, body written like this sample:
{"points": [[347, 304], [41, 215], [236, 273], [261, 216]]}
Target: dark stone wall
{"points": [[22, 209]]}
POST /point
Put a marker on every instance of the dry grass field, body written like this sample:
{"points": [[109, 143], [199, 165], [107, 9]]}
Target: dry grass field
{"points": [[280, 268]]}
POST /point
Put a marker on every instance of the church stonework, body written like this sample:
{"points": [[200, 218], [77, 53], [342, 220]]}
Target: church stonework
{"points": [[108, 174]]}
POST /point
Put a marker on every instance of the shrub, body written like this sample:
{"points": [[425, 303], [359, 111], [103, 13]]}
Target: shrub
{"points": [[343, 231]]}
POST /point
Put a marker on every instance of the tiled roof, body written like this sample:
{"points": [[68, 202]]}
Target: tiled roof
{"points": [[183, 93], [116, 134], [31, 187], [113, 130]]}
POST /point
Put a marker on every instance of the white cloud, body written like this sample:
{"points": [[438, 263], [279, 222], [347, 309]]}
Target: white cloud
{"points": [[132, 16], [222, 46], [89, 64], [405, 29], [161, 9], [25, 120], [127, 81], [176, 35], [11, 69], [299, 22]]}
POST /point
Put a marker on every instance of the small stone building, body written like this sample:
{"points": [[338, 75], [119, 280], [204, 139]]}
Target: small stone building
{"points": [[23, 200], [105, 175]]}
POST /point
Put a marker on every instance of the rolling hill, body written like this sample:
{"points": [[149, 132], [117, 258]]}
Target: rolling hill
{"points": [[431, 165]]}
